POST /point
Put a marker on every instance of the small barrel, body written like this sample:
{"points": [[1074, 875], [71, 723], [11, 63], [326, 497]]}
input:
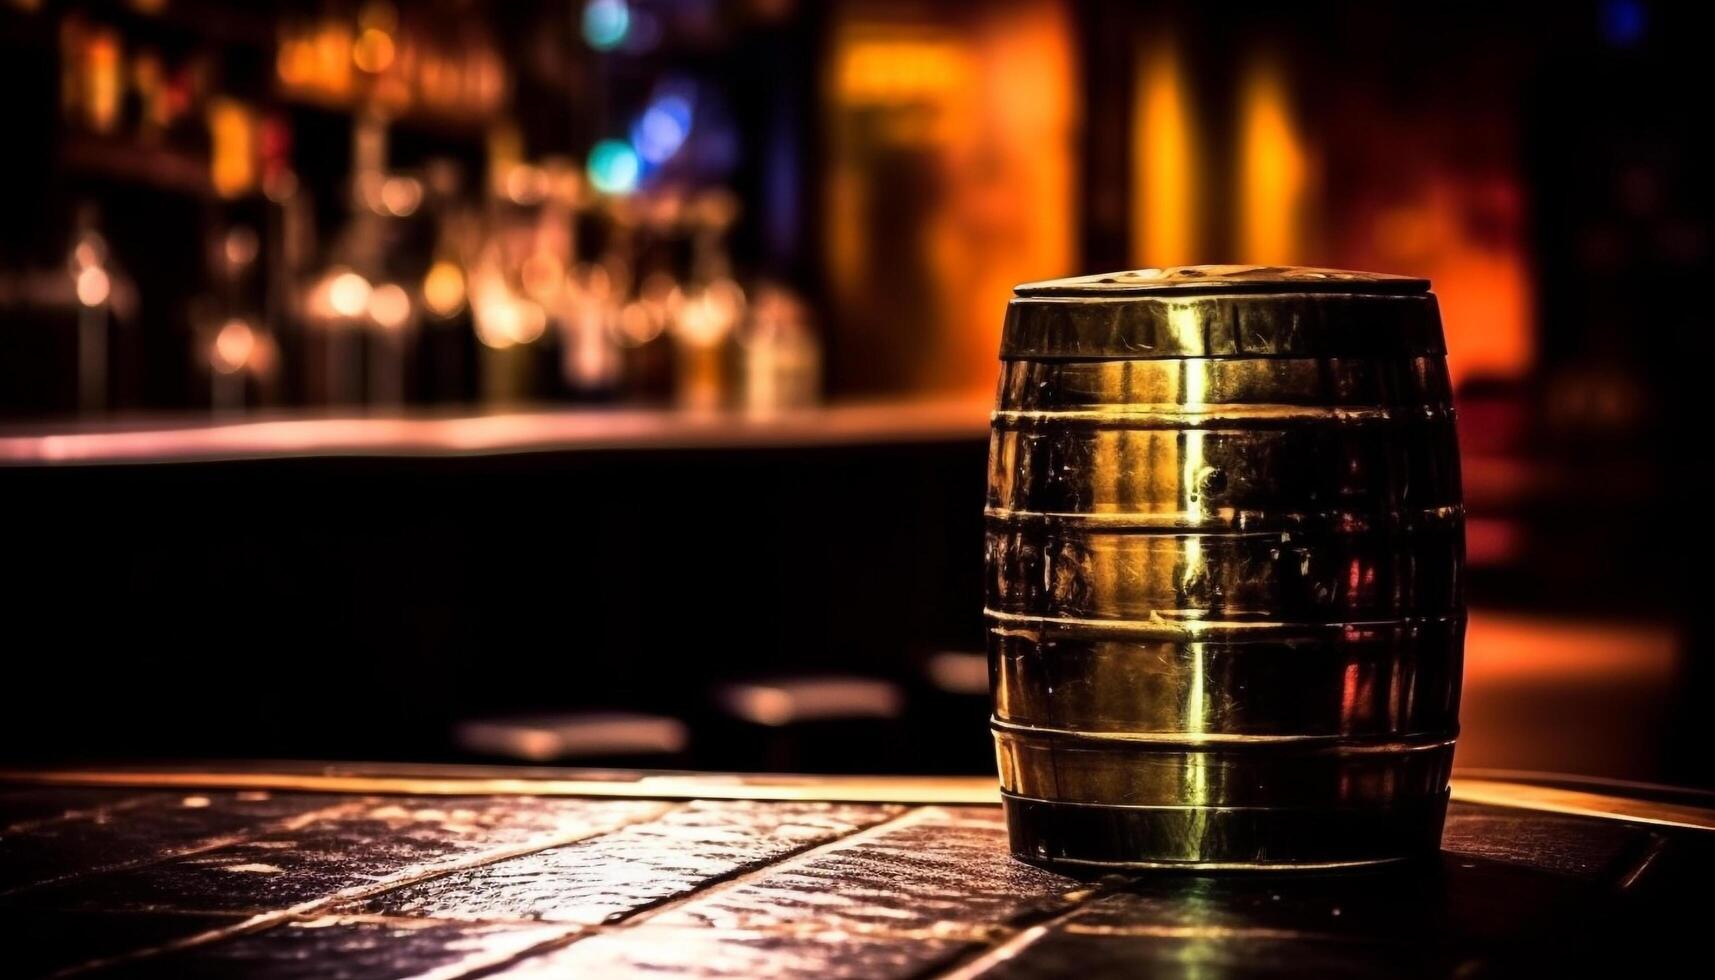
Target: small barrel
{"points": [[1224, 561]]}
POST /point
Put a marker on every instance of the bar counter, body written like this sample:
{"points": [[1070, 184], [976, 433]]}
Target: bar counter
{"points": [[297, 435], [335, 871]]}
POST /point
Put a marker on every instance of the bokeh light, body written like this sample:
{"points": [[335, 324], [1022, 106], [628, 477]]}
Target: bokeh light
{"points": [[1623, 22], [348, 294], [233, 346], [443, 288], [389, 306], [662, 128], [400, 196], [614, 167], [93, 286], [373, 51], [606, 23]]}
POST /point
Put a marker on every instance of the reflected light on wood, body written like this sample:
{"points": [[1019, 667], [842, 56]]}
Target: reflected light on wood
{"points": [[1559, 695], [922, 790], [856, 424]]}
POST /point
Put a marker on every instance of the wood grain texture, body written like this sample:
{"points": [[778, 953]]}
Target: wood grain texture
{"points": [[240, 883]]}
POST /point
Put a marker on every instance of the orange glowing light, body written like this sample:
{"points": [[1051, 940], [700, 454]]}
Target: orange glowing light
{"points": [[708, 316], [1273, 173], [389, 306], [443, 288], [528, 322], [952, 136], [400, 196], [233, 143], [502, 319], [373, 51], [332, 54], [1466, 234], [893, 68], [1164, 183], [233, 347], [294, 62], [102, 90], [93, 285]]}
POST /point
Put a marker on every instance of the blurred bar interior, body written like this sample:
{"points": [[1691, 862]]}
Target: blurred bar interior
{"points": [[594, 381]]}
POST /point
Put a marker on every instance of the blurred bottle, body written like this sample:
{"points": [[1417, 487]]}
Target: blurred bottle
{"points": [[593, 294], [713, 306], [780, 355], [641, 331], [92, 285], [447, 354]]}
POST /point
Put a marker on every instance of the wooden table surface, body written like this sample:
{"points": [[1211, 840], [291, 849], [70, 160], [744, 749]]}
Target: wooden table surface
{"points": [[338, 872]]}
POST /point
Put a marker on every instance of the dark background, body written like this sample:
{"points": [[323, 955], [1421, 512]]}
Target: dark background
{"points": [[1544, 164]]}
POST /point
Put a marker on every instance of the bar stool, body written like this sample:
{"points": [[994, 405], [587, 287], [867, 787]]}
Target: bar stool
{"points": [[808, 724], [613, 738]]}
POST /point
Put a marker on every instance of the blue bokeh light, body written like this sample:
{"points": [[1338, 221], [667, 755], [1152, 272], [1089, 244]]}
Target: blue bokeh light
{"points": [[662, 128], [1623, 22]]}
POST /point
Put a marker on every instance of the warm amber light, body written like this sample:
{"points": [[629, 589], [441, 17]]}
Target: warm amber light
{"points": [[1273, 173], [708, 316], [502, 319], [103, 89], [443, 289], [389, 306], [232, 137], [885, 68], [543, 275], [401, 195], [529, 322], [951, 176], [1164, 182], [373, 51], [348, 294], [233, 347]]}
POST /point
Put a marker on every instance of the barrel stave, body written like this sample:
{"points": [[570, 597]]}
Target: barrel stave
{"points": [[1231, 475], [1371, 679], [1305, 575]]}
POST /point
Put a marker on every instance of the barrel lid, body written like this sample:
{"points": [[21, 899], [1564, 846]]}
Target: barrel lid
{"points": [[1223, 311], [1192, 279]]}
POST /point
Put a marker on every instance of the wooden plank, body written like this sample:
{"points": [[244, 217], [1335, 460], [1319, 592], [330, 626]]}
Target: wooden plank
{"points": [[604, 878], [722, 953], [89, 836], [358, 846], [937, 871], [335, 946], [463, 781]]}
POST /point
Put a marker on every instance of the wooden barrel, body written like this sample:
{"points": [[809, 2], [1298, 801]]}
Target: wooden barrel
{"points": [[1225, 545]]}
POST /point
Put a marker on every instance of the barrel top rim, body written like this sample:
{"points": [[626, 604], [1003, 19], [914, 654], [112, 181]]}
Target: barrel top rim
{"points": [[1186, 280]]}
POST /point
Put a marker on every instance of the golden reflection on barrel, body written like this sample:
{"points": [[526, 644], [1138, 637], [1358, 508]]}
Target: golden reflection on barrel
{"points": [[1224, 555]]}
